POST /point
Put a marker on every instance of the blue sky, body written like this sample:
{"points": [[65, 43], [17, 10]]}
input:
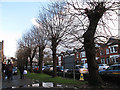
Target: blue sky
{"points": [[16, 19]]}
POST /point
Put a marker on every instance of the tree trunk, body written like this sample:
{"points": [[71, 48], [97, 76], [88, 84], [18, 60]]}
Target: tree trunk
{"points": [[31, 70], [90, 50], [54, 45], [31, 56], [94, 16], [40, 59], [26, 63]]}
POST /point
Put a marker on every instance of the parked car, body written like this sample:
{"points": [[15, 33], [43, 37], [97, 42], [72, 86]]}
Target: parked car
{"points": [[59, 68], [28, 68], [102, 66], [66, 70], [14, 71], [79, 69], [43, 68], [85, 65], [35, 68], [49, 68], [113, 69]]}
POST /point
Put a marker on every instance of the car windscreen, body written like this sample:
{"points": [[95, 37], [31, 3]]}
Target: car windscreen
{"points": [[110, 68], [79, 67]]}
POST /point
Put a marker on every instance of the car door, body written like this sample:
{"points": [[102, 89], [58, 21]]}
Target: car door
{"points": [[109, 70], [116, 70]]}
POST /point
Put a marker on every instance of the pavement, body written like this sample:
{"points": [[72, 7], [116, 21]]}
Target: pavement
{"points": [[24, 84], [17, 84]]}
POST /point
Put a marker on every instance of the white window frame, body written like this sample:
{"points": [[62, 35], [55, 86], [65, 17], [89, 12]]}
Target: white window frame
{"points": [[114, 49], [107, 51], [77, 55], [103, 60], [111, 51], [83, 54], [107, 60]]}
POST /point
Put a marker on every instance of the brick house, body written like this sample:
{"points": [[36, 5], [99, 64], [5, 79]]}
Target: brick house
{"points": [[107, 53], [2, 51]]}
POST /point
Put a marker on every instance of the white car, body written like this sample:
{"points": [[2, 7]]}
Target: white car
{"points": [[102, 66], [85, 65], [49, 68], [79, 69]]}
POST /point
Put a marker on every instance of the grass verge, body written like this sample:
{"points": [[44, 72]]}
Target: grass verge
{"points": [[47, 78]]}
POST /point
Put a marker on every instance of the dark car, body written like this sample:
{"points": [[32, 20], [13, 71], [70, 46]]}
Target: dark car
{"points": [[14, 71], [113, 69], [43, 68], [59, 68]]}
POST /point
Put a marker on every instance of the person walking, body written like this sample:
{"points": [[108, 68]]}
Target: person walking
{"points": [[3, 70], [9, 70], [21, 68]]}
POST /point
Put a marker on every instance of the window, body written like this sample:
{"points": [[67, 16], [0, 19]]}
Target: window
{"points": [[107, 51], [117, 59], [115, 49], [114, 59], [80, 55], [59, 58], [111, 49], [103, 60], [101, 65], [83, 54], [110, 68], [77, 55], [117, 68], [101, 52], [108, 60]]}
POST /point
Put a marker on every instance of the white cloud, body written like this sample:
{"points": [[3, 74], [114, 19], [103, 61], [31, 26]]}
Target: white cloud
{"points": [[34, 22], [10, 43]]}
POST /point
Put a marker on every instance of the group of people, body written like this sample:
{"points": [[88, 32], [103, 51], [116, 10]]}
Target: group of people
{"points": [[7, 70]]}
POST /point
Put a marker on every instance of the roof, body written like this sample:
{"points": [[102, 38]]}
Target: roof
{"points": [[112, 41]]}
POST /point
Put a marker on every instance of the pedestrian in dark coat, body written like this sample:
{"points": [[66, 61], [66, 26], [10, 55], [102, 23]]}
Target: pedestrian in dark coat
{"points": [[21, 68], [3, 70], [9, 70]]}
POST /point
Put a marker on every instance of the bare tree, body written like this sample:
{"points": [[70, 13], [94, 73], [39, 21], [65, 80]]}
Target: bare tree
{"points": [[92, 15], [55, 23], [22, 49], [41, 41], [21, 60], [28, 44]]}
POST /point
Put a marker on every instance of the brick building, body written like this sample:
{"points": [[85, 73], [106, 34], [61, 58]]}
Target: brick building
{"points": [[107, 53], [1, 51]]}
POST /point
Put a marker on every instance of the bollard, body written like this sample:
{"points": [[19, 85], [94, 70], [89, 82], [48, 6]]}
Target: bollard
{"points": [[81, 77]]}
